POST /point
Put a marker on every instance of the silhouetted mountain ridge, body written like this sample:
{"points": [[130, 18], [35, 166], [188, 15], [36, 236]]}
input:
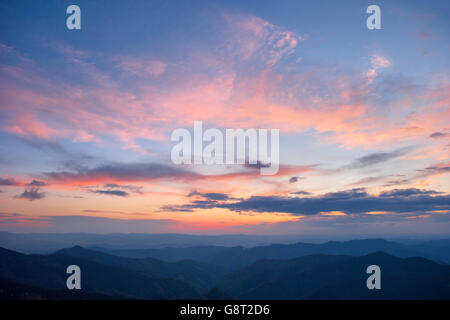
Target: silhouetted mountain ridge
{"points": [[50, 272], [236, 257], [314, 276], [339, 277], [200, 275], [15, 291]]}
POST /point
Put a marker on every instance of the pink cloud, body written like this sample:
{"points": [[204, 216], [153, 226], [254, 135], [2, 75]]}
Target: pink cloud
{"points": [[253, 37], [142, 67], [334, 105], [27, 125], [377, 62], [380, 62]]}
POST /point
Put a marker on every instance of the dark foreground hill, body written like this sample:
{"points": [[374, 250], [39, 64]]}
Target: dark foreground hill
{"points": [[50, 272], [201, 275], [339, 277], [15, 291]]}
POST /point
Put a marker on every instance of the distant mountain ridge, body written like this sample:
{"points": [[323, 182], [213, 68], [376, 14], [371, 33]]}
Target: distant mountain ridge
{"points": [[235, 257], [44, 243]]}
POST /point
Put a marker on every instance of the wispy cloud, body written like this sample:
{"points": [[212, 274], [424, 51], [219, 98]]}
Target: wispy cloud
{"points": [[31, 194], [142, 67], [109, 192], [8, 182], [377, 158], [377, 62], [120, 172], [437, 135]]}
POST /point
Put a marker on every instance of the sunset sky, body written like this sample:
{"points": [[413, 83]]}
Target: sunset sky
{"points": [[86, 116]]}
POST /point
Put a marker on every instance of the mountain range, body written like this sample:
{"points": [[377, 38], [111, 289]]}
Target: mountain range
{"points": [[49, 271], [339, 277], [333, 270], [235, 257]]}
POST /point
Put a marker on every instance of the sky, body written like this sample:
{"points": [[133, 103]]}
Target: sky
{"points": [[86, 116]]}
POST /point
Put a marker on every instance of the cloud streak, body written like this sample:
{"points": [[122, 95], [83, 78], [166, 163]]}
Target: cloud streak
{"points": [[354, 201], [108, 192], [377, 158], [31, 194], [121, 172]]}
